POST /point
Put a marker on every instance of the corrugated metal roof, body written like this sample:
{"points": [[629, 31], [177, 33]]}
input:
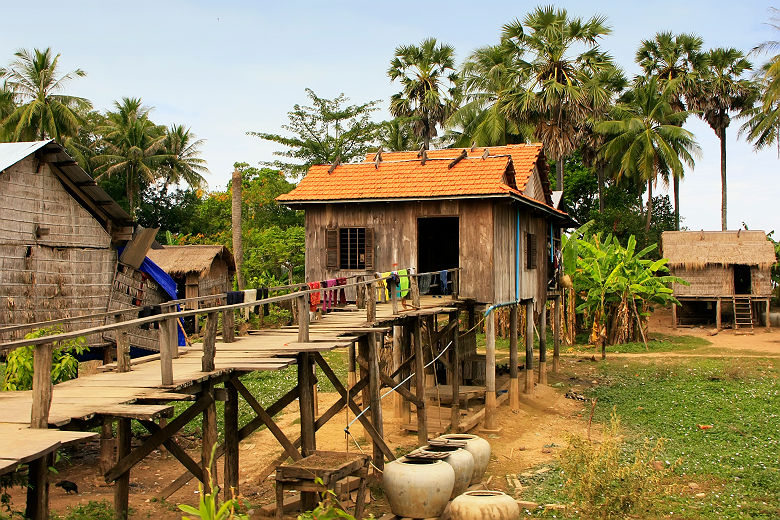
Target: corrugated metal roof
{"points": [[12, 153]]}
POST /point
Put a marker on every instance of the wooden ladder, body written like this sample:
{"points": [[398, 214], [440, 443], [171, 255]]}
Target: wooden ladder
{"points": [[743, 314]]}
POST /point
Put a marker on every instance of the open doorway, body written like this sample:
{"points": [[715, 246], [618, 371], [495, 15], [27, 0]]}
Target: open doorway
{"points": [[742, 282], [437, 244]]}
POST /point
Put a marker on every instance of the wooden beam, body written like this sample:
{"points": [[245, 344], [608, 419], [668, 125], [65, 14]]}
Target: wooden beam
{"points": [[38, 488], [208, 458], [228, 326], [176, 450], [42, 386], [374, 396], [209, 342], [371, 302], [514, 382], [529, 347], [388, 453], [455, 373], [306, 405], [558, 302], [166, 352], [457, 159], [123, 362], [490, 371], [122, 485], [419, 369], [303, 319], [230, 470]]}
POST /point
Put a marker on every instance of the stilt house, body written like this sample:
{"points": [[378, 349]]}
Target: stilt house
{"points": [[487, 211], [58, 232], [728, 272], [199, 270]]}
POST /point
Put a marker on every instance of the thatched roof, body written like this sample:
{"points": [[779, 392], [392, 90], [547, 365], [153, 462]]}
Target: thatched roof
{"points": [[698, 249], [182, 260]]}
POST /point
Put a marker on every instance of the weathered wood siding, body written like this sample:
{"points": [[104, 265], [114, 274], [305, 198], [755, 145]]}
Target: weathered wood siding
{"points": [[66, 272], [534, 188], [718, 280], [395, 238]]}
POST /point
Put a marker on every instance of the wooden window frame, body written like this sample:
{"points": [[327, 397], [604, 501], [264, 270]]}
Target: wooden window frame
{"points": [[349, 257], [531, 251]]}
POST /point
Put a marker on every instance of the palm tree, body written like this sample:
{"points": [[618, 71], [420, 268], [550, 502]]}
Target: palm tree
{"points": [[723, 90], [133, 147], [549, 60], [645, 139], [679, 58], [43, 113], [7, 106], [429, 85], [184, 162], [771, 69], [763, 121], [486, 78], [398, 135]]}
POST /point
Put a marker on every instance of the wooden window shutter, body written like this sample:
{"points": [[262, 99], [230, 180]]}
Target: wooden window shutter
{"points": [[369, 249], [530, 250], [332, 248]]}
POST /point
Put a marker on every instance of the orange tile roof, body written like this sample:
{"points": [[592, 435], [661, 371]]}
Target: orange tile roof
{"points": [[406, 178], [524, 157]]}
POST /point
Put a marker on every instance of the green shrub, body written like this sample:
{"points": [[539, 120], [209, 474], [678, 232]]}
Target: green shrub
{"points": [[19, 368], [605, 483], [92, 510]]}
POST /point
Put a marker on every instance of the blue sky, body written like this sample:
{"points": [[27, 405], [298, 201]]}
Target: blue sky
{"points": [[227, 67]]}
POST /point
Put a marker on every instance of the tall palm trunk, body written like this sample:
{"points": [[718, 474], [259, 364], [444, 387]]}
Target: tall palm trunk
{"points": [[238, 245], [559, 174], [723, 192], [600, 174], [676, 184], [649, 205]]}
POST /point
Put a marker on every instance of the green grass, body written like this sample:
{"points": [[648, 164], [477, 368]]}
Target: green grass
{"points": [[656, 343], [267, 387], [736, 462], [92, 510]]}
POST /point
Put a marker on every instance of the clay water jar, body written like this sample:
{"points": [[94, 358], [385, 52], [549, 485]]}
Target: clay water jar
{"points": [[418, 488], [479, 449], [484, 505], [462, 462]]}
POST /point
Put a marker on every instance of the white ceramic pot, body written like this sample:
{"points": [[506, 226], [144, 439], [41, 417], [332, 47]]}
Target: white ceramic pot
{"points": [[479, 449], [462, 462], [484, 505], [418, 488]]}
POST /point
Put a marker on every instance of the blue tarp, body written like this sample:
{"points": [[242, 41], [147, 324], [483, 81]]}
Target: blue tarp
{"points": [[164, 280]]}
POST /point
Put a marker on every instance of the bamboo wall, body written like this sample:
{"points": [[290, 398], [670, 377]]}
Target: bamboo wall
{"points": [[66, 268], [718, 280]]}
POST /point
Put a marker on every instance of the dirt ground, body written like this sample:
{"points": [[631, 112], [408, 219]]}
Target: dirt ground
{"points": [[531, 436]]}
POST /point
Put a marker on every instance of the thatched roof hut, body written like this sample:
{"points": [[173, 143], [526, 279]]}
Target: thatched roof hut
{"points": [[199, 270], [721, 265]]}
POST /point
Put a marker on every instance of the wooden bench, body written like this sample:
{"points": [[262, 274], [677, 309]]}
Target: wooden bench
{"points": [[329, 467]]}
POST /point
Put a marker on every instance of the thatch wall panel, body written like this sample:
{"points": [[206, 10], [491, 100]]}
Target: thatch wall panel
{"points": [[712, 281]]}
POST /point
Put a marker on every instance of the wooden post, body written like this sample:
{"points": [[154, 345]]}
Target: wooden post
{"points": [[543, 345], [455, 283], [529, 346], [209, 440], [209, 342], [303, 319], [352, 367], [107, 456], [419, 376], [397, 359], [228, 326], [406, 353], [166, 351], [231, 442], [42, 387], [371, 302], [674, 316], [174, 332], [122, 484], [490, 371], [122, 350], [557, 302], [38, 488], [768, 323], [392, 288], [455, 371], [306, 404], [374, 386], [718, 323], [414, 290], [514, 382], [360, 294]]}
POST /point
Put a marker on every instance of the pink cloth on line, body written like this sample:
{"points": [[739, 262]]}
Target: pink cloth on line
{"points": [[329, 301]]}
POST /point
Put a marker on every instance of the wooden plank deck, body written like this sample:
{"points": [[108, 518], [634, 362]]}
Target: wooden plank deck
{"points": [[113, 394]]}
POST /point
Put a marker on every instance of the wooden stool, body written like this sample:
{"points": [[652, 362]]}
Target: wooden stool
{"points": [[328, 466]]}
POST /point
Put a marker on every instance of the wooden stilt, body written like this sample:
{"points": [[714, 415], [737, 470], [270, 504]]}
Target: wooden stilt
{"points": [[107, 456], [209, 440], [529, 347], [490, 371], [209, 342], [374, 396], [38, 488], [42, 386], [231, 442], [718, 309], [166, 352], [768, 323], [514, 382], [406, 353], [122, 484], [674, 316], [306, 404], [397, 357], [543, 345], [419, 370], [228, 326], [455, 374], [557, 302]]}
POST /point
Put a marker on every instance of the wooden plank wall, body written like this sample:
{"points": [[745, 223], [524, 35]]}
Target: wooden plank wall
{"points": [[67, 271]]}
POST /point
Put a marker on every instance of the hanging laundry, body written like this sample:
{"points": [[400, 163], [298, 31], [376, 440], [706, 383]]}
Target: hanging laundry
{"points": [[234, 297], [250, 295], [424, 283], [342, 293], [403, 283], [262, 294], [330, 296], [443, 281], [314, 298]]}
